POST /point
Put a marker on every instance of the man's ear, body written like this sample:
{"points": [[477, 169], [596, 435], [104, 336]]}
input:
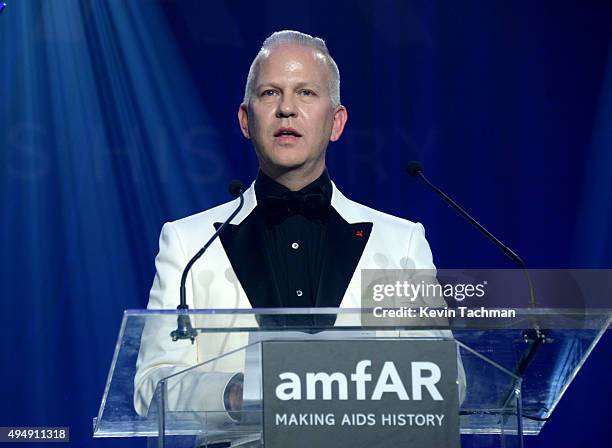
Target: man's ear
{"points": [[340, 117], [243, 120]]}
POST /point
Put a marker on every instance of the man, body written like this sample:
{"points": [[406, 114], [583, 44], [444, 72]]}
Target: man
{"points": [[298, 241]]}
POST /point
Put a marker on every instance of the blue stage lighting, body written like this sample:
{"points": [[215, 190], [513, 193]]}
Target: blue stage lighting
{"points": [[2, 6]]}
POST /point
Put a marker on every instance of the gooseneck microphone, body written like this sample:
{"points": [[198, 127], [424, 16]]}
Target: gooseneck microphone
{"points": [[184, 329], [415, 169], [533, 337]]}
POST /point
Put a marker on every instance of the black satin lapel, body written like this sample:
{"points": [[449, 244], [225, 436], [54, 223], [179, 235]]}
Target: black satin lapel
{"points": [[244, 246], [343, 249]]}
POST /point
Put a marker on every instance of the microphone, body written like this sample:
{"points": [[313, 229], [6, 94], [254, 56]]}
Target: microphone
{"points": [[415, 169], [184, 328], [533, 337], [235, 188]]}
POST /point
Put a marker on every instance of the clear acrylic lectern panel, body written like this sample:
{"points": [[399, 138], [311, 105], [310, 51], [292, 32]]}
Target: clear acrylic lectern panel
{"points": [[186, 408], [492, 406]]}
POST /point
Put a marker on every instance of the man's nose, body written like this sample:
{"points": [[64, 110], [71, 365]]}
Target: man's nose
{"points": [[286, 108]]}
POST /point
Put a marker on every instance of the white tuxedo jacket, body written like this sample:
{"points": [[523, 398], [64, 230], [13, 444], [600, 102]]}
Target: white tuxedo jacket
{"points": [[372, 239]]}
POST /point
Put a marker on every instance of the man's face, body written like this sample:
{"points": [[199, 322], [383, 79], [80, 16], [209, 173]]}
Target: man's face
{"points": [[290, 117]]}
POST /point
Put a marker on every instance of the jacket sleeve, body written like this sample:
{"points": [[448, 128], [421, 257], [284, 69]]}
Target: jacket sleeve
{"points": [[418, 249], [420, 253], [159, 356]]}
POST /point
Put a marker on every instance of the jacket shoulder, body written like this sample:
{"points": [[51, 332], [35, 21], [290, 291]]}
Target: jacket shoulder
{"points": [[359, 212], [205, 219]]}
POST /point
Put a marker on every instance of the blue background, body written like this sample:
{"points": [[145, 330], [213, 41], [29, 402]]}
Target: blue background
{"points": [[118, 116]]}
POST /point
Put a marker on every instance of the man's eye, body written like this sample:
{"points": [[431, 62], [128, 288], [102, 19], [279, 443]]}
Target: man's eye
{"points": [[268, 92], [307, 92]]}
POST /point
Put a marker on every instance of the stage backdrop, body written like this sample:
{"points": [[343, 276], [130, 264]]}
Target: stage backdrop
{"points": [[117, 116]]}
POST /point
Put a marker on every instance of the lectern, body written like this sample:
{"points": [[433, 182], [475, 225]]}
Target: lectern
{"points": [[505, 378]]}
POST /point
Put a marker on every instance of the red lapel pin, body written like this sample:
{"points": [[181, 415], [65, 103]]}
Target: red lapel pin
{"points": [[359, 233]]}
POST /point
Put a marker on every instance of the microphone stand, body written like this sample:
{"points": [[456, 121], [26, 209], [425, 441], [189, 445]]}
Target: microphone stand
{"points": [[415, 169], [184, 328], [534, 337]]}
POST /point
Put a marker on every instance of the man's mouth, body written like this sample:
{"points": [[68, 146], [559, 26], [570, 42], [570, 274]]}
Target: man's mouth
{"points": [[287, 134]]}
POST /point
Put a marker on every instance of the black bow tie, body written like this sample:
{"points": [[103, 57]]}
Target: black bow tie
{"points": [[313, 205]]}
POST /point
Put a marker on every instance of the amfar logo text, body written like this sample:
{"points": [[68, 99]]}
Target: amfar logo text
{"points": [[425, 375]]}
